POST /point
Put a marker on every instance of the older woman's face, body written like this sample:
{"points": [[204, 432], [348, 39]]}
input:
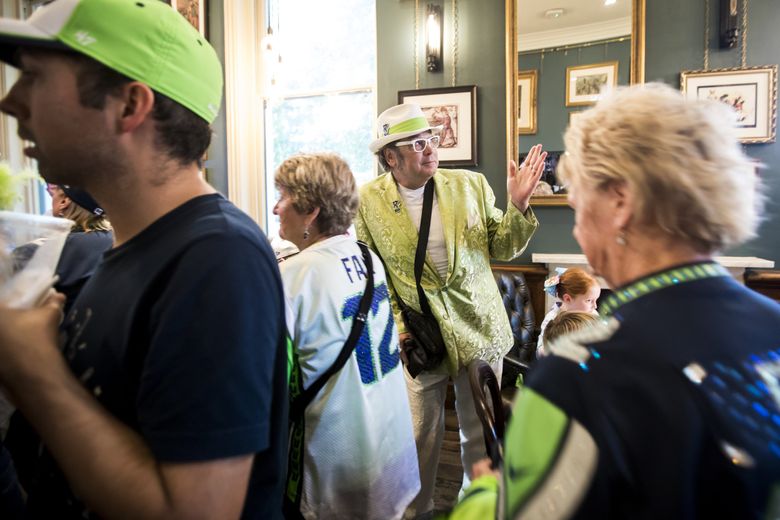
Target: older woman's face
{"points": [[292, 223], [592, 227]]}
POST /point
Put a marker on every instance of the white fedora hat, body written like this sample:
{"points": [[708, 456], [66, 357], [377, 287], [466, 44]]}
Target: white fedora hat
{"points": [[399, 122]]}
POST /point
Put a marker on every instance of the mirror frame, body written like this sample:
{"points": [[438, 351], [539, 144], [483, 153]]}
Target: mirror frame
{"points": [[637, 75]]}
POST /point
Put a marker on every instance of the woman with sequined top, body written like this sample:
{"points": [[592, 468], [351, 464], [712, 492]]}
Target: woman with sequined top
{"points": [[665, 409]]}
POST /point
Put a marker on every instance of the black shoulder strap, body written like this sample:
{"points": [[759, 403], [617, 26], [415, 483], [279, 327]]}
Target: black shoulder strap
{"points": [[422, 244], [302, 401]]}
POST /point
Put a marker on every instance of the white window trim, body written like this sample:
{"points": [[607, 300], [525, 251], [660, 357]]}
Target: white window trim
{"points": [[11, 146], [244, 21]]}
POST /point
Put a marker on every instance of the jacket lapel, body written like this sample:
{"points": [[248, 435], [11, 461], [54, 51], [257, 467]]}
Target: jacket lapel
{"points": [[445, 195], [393, 204]]}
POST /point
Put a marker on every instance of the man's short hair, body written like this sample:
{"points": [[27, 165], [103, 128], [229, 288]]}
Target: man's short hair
{"points": [[565, 323], [380, 156], [181, 133]]}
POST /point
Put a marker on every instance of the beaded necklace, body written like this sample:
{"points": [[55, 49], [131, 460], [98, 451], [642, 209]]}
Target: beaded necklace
{"points": [[676, 276]]}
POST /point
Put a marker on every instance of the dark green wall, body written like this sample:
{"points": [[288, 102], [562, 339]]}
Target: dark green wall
{"points": [[552, 114], [675, 32], [480, 62]]}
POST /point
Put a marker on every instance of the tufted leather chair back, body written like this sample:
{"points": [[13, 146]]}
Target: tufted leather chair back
{"points": [[517, 302]]}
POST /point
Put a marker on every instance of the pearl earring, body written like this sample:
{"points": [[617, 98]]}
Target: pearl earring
{"points": [[620, 239]]}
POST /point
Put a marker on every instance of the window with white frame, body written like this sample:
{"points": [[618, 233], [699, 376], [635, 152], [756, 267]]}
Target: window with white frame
{"points": [[323, 92]]}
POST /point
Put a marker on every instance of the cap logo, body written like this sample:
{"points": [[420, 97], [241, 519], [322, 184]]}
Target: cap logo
{"points": [[84, 38], [385, 129]]}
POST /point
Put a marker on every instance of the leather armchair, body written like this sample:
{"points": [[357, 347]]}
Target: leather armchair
{"points": [[517, 302]]}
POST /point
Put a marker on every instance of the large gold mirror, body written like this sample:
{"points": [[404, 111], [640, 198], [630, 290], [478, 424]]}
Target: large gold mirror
{"points": [[558, 58]]}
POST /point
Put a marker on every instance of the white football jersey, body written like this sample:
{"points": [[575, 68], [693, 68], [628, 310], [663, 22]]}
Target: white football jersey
{"points": [[360, 459]]}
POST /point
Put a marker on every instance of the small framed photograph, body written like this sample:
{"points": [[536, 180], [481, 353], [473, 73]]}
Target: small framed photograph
{"points": [[455, 110], [574, 115], [751, 92], [526, 102], [586, 83], [194, 11]]}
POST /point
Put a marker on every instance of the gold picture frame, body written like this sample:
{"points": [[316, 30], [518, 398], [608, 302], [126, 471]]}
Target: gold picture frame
{"points": [[751, 92], [514, 140], [526, 102], [585, 83]]}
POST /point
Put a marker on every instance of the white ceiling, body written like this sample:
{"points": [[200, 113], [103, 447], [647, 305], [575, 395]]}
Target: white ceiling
{"points": [[530, 13], [582, 21]]}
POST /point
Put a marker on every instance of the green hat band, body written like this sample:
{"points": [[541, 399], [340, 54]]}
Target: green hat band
{"points": [[410, 125]]}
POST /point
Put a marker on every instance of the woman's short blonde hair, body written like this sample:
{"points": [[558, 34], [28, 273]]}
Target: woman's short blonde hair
{"points": [[680, 159], [321, 180]]}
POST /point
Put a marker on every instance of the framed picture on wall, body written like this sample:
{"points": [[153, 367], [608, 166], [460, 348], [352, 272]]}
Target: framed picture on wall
{"points": [[455, 110], [574, 115], [194, 11], [585, 83], [751, 92], [526, 102]]}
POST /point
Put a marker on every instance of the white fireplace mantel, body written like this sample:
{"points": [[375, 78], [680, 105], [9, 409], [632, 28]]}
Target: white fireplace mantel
{"points": [[735, 264]]}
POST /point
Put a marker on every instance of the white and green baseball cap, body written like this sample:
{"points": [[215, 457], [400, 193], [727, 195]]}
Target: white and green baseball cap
{"points": [[146, 40]]}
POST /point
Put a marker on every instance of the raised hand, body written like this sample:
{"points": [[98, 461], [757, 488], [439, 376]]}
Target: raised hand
{"points": [[520, 182]]}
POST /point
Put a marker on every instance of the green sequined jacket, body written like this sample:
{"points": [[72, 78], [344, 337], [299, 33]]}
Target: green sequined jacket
{"points": [[467, 304]]}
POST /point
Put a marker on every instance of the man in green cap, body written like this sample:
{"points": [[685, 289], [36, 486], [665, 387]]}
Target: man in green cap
{"points": [[166, 396]]}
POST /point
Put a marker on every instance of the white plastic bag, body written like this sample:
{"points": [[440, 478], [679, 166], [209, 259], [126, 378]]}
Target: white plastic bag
{"points": [[30, 248]]}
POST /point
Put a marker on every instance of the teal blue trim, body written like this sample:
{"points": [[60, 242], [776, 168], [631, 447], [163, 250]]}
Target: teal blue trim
{"points": [[649, 284]]}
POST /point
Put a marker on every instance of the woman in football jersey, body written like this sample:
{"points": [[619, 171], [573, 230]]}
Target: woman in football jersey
{"points": [[352, 453]]}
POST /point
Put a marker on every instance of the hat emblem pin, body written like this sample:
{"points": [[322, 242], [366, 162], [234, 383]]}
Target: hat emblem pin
{"points": [[386, 129], [84, 38]]}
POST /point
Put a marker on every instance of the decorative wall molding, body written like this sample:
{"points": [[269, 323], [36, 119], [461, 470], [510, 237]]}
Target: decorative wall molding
{"points": [[573, 35]]}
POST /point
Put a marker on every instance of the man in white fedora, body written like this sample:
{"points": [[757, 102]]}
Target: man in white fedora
{"points": [[466, 230]]}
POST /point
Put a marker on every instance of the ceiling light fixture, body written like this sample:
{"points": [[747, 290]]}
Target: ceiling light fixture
{"points": [[554, 13], [609, 2]]}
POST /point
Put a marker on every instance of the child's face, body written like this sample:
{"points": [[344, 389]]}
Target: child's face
{"points": [[582, 302]]}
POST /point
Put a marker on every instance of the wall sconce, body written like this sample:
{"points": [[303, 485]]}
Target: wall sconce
{"points": [[433, 38], [729, 33]]}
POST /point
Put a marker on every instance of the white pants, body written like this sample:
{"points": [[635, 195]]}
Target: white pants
{"points": [[427, 394]]}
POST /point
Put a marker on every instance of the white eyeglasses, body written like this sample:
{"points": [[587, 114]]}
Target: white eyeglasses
{"points": [[419, 144]]}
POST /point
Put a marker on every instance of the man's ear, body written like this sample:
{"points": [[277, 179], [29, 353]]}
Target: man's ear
{"points": [[137, 103], [390, 158]]}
